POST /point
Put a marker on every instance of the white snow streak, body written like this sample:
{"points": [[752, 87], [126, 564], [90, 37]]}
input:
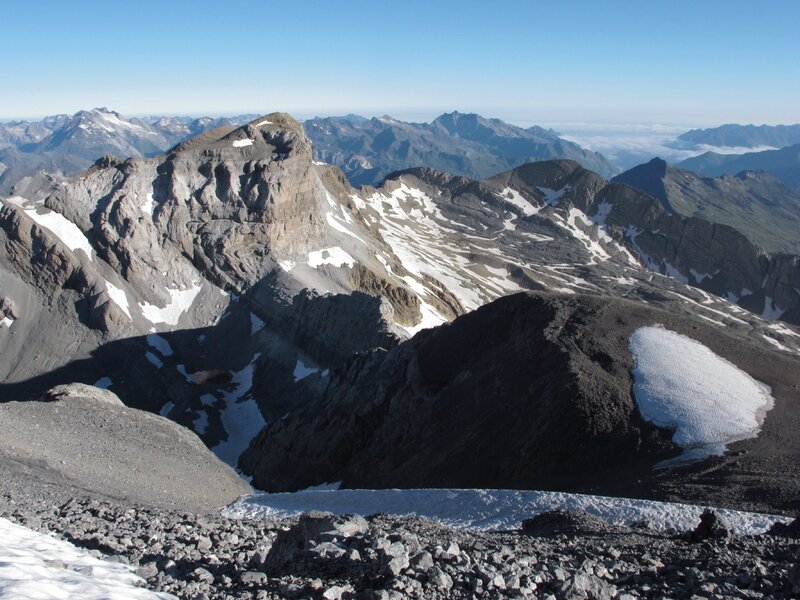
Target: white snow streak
{"points": [[487, 509], [119, 297], [242, 143], [64, 229]]}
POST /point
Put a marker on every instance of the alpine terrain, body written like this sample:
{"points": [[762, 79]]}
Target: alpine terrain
{"points": [[495, 327]]}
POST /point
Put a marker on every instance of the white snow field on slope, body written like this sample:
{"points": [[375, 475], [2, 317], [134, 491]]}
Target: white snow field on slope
{"points": [[64, 229], [680, 384], [35, 566], [181, 301], [487, 509]]}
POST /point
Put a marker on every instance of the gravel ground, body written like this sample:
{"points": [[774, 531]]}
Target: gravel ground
{"points": [[567, 555], [86, 438]]}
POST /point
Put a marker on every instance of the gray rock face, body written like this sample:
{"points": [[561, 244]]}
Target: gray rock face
{"points": [[532, 391]]}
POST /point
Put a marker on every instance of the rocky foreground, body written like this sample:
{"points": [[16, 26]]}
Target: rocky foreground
{"points": [[556, 555]]}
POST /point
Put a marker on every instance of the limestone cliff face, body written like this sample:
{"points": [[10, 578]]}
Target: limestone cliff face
{"points": [[226, 203]]}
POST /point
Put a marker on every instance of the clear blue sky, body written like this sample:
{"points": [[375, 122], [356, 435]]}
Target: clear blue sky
{"points": [[693, 62]]}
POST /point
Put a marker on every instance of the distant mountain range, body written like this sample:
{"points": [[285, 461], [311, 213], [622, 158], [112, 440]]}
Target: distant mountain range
{"points": [[67, 145], [783, 164], [745, 136], [367, 150], [753, 202]]}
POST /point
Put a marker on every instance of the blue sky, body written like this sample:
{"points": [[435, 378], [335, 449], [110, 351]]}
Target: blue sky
{"points": [[694, 63]]}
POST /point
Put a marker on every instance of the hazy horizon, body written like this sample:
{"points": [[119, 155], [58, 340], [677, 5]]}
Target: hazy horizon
{"points": [[698, 64]]}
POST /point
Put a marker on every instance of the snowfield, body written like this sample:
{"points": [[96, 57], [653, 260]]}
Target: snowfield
{"points": [[36, 566], [680, 384], [65, 230], [487, 509], [181, 301]]}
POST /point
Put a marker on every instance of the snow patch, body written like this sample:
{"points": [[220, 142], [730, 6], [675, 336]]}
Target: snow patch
{"points": [[148, 205], [34, 565], [674, 273], [301, 370], [200, 424], [241, 417], [119, 297], [286, 265], [103, 382], [513, 197], [181, 301], [593, 246], [334, 256], [153, 360], [65, 230], [242, 143], [603, 210], [158, 343], [771, 310], [699, 277], [680, 384], [256, 324], [6, 322], [488, 509], [553, 197], [324, 487], [265, 122]]}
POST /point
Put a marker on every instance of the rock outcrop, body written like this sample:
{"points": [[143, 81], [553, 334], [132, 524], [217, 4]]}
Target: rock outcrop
{"points": [[532, 391]]}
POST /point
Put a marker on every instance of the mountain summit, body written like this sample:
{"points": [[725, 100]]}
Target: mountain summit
{"points": [[753, 202]]}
